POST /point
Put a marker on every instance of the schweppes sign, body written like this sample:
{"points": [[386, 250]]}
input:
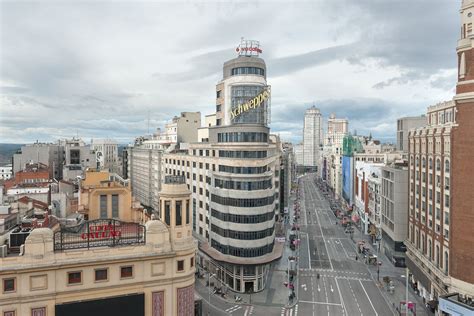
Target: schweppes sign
{"points": [[251, 104]]}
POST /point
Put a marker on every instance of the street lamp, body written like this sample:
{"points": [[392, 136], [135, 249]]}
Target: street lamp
{"points": [[378, 270], [209, 276]]}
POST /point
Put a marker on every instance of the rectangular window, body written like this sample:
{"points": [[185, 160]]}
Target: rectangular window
{"points": [[179, 218], [218, 94], [9, 285], [101, 275], [103, 206], [192, 262], [187, 211], [115, 205], [74, 277], [126, 272], [180, 265], [38, 311], [9, 313], [167, 213]]}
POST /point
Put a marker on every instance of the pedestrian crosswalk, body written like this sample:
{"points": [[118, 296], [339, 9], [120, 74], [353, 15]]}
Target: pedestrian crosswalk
{"points": [[247, 309], [234, 308], [292, 311]]}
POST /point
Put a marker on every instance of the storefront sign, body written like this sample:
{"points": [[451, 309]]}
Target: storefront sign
{"points": [[251, 104]]}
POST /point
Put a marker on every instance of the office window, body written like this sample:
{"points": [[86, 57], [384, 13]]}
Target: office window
{"points": [[180, 265], [101, 274], [168, 213], [103, 206], [115, 205], [191, 263], [9, 285], [126, 272], [179, 219], [9, 313], [74, 277]]}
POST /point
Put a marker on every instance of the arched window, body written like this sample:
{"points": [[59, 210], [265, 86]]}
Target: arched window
{"points": [[437, 255], [430, 163], [417, 163], [438, 164], [423, 162], [446, 166], [446, 263], [430, 250]]}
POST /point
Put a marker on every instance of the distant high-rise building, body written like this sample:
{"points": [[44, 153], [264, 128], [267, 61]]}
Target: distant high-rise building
{"points": [[312, 137], [405, 124]]}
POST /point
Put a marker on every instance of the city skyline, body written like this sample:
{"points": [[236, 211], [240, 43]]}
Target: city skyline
{"points": [[102, 70]]}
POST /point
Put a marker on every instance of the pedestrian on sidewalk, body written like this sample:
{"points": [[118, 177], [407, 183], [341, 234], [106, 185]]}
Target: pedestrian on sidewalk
{"points": [[357, 257]]}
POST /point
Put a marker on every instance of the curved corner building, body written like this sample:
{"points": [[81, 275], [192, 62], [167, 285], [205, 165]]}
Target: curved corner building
{"points": [[234, 176]]}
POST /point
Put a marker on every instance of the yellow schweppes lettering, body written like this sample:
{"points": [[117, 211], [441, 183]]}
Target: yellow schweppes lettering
{"points": [[251, 104]]}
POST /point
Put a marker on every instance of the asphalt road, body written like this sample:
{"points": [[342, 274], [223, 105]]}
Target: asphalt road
{"points": [[345, 285]]}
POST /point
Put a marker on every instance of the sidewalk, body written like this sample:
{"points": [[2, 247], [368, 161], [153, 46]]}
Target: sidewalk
{"points": [[398, 277]]}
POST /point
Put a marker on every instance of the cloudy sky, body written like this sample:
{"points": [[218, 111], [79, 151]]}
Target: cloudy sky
{"points": [[101, 69]]}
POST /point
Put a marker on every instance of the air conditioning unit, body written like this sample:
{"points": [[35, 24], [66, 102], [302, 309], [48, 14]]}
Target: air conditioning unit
{"points": [[3, 251]]}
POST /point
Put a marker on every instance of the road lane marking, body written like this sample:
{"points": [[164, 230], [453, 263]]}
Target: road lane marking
{"points": [[342, 299], [320, 303], [376, 314]]}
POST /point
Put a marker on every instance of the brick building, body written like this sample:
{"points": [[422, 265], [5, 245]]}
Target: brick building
{"points": [[441, 213]]}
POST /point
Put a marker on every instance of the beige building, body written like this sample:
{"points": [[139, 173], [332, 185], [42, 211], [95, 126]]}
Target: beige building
{"points": [[123, 268], [106, 195]]}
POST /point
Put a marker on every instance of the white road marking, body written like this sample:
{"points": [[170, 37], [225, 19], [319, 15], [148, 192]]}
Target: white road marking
{"points": [[342, 299], [320, 303], [233, 308], [368, 297]]}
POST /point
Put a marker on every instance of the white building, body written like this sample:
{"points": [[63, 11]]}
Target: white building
{"points": [[106, 152], [312, 137], [78, 156], [299, 154], [6, 172]]}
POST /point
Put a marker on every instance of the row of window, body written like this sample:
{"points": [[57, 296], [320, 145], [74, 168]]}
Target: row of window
{"points": [[242, 202], [100, 275], [243, 185], [247, 71], [103, 206], [243, 170], [430, 164], [179, 212], [242, 252], [242, 219], [242, 137], [243, 154], [242, 235]]}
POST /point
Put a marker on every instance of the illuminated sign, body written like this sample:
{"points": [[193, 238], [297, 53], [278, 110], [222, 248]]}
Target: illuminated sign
{"points": [[248, 48], [251, 104]]}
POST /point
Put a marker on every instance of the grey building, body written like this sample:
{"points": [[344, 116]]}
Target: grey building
{"points": [[394, 204], [78, 156], [404, 124], [144, 172], [49, 154]]}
